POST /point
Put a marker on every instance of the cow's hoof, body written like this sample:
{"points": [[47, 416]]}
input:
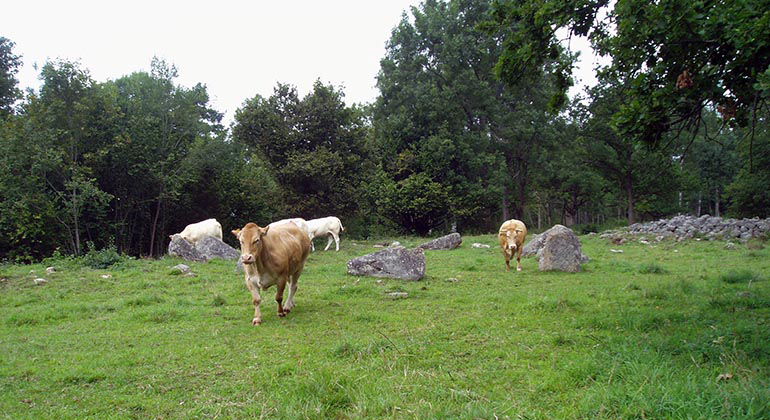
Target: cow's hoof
{"points": [[282, 314], [518, 269], [286, 311], [256, 321]]}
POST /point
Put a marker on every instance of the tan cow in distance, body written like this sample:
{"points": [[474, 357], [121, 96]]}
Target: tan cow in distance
{"points": [[272, 255], [512, 234]]}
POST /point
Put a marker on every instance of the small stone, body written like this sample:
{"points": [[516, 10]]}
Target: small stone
{"points": [[50, 270], [453, 280], [106, 276], [730, 246], [180, 269], [378, 246], [478, 245], [190, 274], [40, 281], [642, 241], [395, 244], [617, 251], [725, 377], [398, 295]]}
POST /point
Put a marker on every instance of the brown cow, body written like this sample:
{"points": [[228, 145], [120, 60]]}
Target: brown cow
{"points": [[511, 235], [272, 255]]}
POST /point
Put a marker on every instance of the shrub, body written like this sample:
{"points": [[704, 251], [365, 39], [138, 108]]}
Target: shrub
{"points": [[103, 258]]}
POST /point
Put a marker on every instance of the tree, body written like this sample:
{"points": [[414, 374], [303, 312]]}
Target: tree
{"points": [[748, 194], [67, 128], [443, 113], [315, 146], [160, 121], [623, 160], [676, 57], [9, 66]]}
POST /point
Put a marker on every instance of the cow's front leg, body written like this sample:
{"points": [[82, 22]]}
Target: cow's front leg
{"points": [[518, 260], [256, 299], [279, 296], [507, 261]]}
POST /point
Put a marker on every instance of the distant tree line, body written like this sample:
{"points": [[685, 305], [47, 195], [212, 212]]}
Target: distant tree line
{"points": [[472, 127]]}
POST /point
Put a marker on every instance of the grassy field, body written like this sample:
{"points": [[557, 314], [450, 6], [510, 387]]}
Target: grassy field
{"points": [[643, 334]]}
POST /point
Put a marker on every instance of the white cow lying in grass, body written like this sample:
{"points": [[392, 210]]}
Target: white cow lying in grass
{"points": [[197, 231], [325, 226]]}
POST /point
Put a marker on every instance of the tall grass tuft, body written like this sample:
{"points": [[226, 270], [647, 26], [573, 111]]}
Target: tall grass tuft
{"points": [[739, 276], [652, 268]]}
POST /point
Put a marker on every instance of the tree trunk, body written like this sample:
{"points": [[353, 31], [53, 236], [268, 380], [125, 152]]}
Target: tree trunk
{"points": [[154, 227], [629, 187], [75, 222], [700, 200], [716, 202], [506, 213]]}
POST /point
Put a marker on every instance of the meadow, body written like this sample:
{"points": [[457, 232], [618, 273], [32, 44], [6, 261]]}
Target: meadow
{"points": [[667, 330]]}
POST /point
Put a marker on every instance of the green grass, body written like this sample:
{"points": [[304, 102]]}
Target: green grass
{"points": [[615, 341]]}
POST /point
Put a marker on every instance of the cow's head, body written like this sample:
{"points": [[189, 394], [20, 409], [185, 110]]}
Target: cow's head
{"points": [[250, 238], [510, 242]]}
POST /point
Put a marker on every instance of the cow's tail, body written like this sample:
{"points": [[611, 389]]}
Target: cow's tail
{"points": [[342, 228]]}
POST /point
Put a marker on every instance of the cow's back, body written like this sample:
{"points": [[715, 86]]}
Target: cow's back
{"points": [[516, 227], [285, 248]]}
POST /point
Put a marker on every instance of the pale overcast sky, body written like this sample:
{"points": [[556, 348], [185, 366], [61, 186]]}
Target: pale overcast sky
{"points": [[236, 48]]}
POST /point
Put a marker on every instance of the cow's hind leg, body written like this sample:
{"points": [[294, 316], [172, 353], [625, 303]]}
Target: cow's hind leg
{"points": [[336, 240], [256, 299], [328, 244], [292, 290], [279, 296]]}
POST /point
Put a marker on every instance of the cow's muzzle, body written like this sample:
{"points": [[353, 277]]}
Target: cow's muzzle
{"points": [[247, 259]]}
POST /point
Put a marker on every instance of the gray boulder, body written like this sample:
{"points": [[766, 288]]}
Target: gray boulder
{"points": [[451, 241], [210, 248], [397, 263], [561, 251], [205, 249], [179, 247], [535, 245]]}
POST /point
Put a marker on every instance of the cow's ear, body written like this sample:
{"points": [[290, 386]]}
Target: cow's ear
{"points": [[236, 232], [264, 230]]}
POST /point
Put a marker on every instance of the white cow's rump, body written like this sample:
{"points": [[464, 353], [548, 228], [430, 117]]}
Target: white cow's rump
{"points": [[331, 226]]}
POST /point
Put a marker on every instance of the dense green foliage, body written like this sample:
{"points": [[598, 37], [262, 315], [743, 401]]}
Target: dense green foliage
{"points": [[642, 334], [675, 57], [472, 127], [9, 66]]}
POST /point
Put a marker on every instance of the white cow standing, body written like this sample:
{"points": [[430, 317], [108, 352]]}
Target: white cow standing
{"points": [[196, 231], [300, 222], [331, 226]]}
